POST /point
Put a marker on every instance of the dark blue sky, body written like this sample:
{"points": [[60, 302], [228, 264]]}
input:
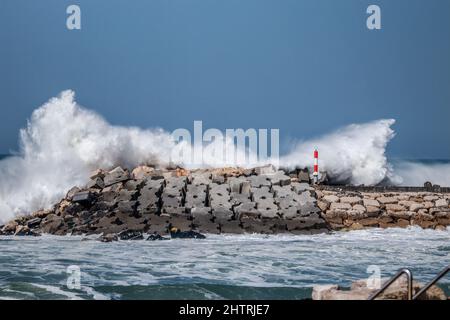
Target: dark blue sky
{"points": [[304, 66]]}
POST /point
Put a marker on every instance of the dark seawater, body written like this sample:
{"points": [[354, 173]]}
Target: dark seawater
{"points": [[219, 267]]}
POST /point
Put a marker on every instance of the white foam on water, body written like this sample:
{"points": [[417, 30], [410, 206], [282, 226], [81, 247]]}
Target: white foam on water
{"points": [[57, 291]]}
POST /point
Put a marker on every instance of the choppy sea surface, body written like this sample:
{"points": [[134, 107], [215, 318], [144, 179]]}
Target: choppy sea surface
{"points": [[219, 267]]}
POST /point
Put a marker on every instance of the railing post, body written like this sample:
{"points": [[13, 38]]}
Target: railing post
{"points": [[409, 278], [432, 282]]}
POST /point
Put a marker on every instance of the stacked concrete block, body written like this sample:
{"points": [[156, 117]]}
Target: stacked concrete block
{"points": [[196, 196], [172, 196], [227, 221], [172, 203], [279, 178], [219, 196], [149, 198], [200, 178], [159, 223], [203, 220]]}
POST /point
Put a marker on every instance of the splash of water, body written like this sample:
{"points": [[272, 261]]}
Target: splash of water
{"points": [[355, 154]]}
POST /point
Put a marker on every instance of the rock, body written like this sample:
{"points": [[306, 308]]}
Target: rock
{"points": [[177, 234], [387, 200], [369, 222], [371, 202], [279, 178], [356, 226], [142, 172], [406, 215], [155, 237], [268, 169], [32, 223], [402, 223], [83, 197], [360, 291], [320, 292], [351, 200], [360, 208], [72, 192], [131, 235], [301, 187], [331, 198], [394, 208], [416, 206], [430, 198], [218, 178], [323, 205], [372, 211], [340, 206], [96, 183], [115, 176], [99, 173], [9, 228], [24, 231], [51, 223], [109, 237], [441, 203], [303, 176]]}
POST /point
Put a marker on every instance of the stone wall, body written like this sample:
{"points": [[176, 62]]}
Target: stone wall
{"points": [[344, 209]]}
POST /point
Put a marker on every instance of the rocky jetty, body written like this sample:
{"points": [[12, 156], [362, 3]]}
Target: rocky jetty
{"points": [[120, 204], [351, 210], [126, 204]]}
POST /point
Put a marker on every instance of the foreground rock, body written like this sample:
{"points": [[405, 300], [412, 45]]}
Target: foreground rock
{"points": [[360, 291]]}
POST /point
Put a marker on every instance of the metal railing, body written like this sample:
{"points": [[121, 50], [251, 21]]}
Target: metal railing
{"points": [[401, 272], [432, 282]]}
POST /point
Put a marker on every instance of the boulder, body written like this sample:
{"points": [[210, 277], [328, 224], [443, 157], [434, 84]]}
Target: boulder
{"points": [[32, 223], [96, 183], [51, 224], [331, 198], [24, 231], [99, 173], [72, 192], [441, 203], [177, 234], [115, 176], [268, 169], [387, 200], [9, 228], [156, 237], [351, 200], [109, 237], [416, 207], [371, 202], [142, 172], [131, 235], [340, 206], [83, 197]]}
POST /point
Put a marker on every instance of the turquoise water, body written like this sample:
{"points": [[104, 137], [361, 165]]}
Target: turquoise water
{"points": [[219, 267]]}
